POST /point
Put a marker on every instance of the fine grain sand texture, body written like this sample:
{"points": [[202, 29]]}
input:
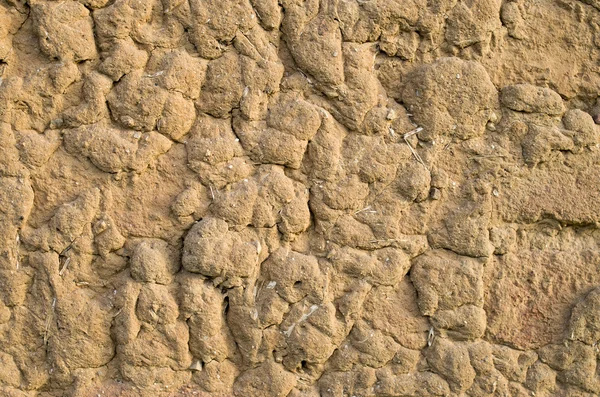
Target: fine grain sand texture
{"points": [[302, 198]]}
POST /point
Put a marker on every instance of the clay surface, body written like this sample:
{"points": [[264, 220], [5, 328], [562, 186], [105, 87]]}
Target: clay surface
{"points": [[301, 198]]}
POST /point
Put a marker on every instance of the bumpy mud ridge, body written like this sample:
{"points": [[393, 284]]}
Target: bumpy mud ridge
{"points": [[295, 198]]}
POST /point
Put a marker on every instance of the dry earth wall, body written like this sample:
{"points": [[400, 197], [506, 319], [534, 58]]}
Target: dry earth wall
{"points": [[300, 198]]}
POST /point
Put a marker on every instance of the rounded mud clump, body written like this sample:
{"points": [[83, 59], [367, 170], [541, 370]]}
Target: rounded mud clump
{"points": [[149, 262]]}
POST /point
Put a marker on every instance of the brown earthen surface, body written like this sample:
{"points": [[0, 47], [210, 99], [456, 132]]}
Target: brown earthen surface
{"points": [[300, 198]]}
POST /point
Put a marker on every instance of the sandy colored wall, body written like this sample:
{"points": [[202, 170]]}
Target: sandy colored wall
{"points": [[299, 198]]}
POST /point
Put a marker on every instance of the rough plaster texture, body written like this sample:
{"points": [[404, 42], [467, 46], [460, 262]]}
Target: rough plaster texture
{"points": [[300, 198]]}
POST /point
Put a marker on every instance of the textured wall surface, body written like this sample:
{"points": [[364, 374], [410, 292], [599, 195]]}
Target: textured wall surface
{"points": [[299, 198]]}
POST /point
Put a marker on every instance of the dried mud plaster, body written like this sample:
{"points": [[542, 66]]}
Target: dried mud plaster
{"points": [[334, 198]]}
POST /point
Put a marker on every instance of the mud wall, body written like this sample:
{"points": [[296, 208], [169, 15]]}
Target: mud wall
{"points": [[299, 198]]}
